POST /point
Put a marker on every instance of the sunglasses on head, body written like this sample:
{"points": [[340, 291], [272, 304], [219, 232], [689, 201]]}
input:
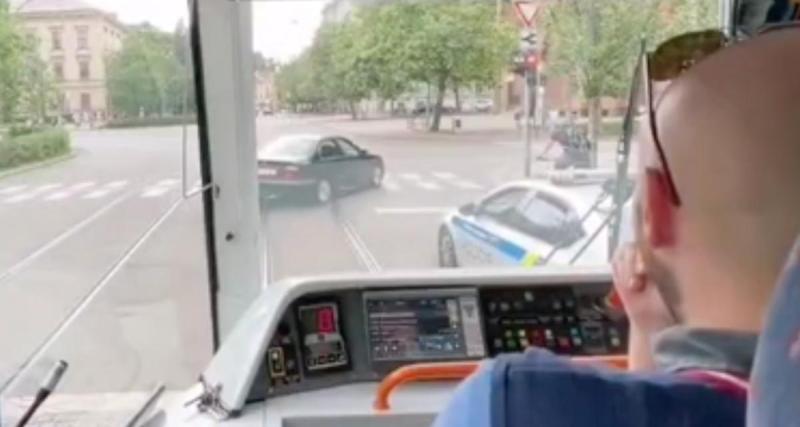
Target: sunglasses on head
{"points": [[668, 61]]}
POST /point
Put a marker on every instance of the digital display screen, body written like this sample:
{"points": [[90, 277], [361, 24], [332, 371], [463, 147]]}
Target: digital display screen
{"points": [[323, 344], [413, 326], [319, 320]]}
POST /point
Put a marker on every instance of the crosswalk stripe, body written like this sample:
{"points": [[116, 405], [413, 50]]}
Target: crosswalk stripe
{"points": [[32, 193], [66, 193], [167, 182], [410, 176], [428, 185], [454, 180], [444, 175], [155, 191], [389, 183], [105, 189], [417, 180], [12, 189]]}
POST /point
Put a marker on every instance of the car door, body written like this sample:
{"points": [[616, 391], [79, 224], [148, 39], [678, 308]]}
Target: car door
{"points": [[546, 224], [330, 163], [483, 238], [360, 168]]}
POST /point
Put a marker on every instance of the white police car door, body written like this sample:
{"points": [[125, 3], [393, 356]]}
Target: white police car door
{"points": [[544, 222], [486, 238]]}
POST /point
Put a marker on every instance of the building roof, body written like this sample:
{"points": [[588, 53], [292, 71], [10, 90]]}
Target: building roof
{"points": [[51, 6]]}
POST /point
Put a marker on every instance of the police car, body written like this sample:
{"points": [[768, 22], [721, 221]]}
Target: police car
{"points": [[524, 223]]}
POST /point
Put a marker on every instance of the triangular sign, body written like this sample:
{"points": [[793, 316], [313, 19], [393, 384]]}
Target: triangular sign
{"points": [[526, 11]]}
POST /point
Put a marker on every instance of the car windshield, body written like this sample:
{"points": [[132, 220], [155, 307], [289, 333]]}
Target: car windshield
{"points": [[292, 147], [120, 173]]}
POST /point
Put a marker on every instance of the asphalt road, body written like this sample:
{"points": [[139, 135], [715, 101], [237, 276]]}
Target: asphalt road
{"points": [[69, 230]]}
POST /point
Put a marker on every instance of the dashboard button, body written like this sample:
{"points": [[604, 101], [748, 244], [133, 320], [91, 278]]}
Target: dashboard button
{"points": [[504, 307]]}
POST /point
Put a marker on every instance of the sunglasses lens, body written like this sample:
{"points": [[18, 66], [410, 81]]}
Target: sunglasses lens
{"points": [[678, 54]]}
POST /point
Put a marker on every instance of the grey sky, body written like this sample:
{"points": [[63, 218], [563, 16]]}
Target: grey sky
{"points": [[281, 29]]}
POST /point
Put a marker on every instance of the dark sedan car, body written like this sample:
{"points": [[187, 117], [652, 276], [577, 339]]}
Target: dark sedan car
{"points": [[316, 166]]}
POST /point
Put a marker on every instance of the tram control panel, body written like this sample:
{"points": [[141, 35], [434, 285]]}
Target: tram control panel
{"points": [[361, 335]]}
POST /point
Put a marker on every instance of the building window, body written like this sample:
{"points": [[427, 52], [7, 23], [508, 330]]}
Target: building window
{"points": [[83, 64], [55, 38], [82, 33], [58, 71], [86, 101]]}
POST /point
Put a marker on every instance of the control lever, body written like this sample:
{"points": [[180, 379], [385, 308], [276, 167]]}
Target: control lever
{"points": [[48, 385]]}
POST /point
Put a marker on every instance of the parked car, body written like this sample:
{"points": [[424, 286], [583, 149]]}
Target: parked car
{"points": [[483, 105], [317, 167]]}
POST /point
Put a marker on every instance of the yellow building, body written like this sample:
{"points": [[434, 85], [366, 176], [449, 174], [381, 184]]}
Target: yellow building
{"points": [[75, 40]]}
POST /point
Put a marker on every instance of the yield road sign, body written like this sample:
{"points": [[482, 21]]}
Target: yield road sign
{"points": [[526, 11]]}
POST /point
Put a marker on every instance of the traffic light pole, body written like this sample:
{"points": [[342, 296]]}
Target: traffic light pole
{"points": [[526, 117]]}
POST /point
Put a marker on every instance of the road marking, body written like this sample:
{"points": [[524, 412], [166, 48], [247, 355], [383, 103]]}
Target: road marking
{"points": [[364, 255], [444, 175], [430, 186], [454, 180], [60, 238], [87, 299], [167, 182], [33, 193], [389, 183], [413, 211], [155, 192], [410, 176], [106, 189], [63, 194], [13, 189]]}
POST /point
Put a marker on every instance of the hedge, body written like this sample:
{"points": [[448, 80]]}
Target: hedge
{"points": [[134, 122], [32, 147]]}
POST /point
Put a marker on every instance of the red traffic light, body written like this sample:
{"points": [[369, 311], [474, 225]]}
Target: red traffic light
{"points": [[531, 62]]}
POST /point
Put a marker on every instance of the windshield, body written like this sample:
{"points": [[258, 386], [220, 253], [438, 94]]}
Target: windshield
{"points": [[293, 147], [440, 129]]}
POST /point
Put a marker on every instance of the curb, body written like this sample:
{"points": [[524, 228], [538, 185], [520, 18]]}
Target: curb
{"points": [[36, 165]]}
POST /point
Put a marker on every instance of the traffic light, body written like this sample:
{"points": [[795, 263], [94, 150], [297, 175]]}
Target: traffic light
{"points": [[525, 62]]}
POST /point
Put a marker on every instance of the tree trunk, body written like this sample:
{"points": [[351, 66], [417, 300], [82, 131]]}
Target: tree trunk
{"points": [[594, 128], [457, 94], [353, 109], [437, 108]]}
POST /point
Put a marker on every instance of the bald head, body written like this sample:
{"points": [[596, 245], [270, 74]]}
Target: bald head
{"points": [[730, 129]]}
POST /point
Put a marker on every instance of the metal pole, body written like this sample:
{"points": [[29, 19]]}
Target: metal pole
{"points": [[526, 116]]}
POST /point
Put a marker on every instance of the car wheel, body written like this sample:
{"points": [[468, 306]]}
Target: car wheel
{"points": [[323, 192], [447, 249], [377, 176]]}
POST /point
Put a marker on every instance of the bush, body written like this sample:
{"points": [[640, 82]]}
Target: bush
{"points": [[31, 147], [135, 122]]}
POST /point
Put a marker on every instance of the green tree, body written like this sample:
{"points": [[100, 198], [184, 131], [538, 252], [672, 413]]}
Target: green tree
{"points": [[443, 44], [13, 48], [146, 75], [595, 43], [39, 97], [294, 84]]}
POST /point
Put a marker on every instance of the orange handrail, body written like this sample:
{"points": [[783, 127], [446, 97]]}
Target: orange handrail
{"points": [[458, 371], [420, 372]]}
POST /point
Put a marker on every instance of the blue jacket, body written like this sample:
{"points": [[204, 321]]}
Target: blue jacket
{"points": [[540, 389]]}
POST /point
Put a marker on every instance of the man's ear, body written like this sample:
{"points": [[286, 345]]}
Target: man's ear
{"points": [[659, 212]]}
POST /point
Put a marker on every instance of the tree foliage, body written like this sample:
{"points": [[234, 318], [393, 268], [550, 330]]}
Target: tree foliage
{"points": [[148, 74], [595, 43], [27, 90], [383, 50]]}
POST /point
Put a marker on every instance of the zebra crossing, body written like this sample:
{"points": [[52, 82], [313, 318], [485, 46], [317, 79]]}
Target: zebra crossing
{"points": [[55, 192], [83, 190], [434, 181]]}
